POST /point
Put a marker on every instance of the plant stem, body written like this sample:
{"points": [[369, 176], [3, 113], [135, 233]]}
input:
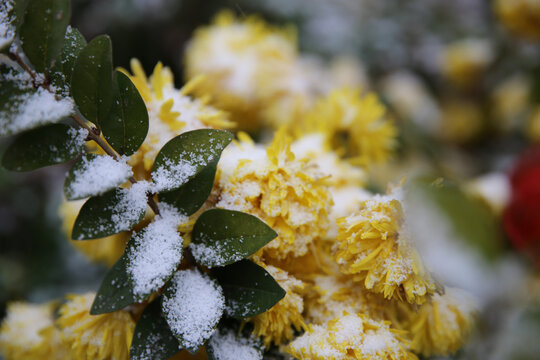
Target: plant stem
{"points": [[92, 134]]}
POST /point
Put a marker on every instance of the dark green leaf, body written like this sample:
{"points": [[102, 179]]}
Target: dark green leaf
{"points": [[221, 237], [182, 158], [127, 124], [42, 32], [74, 42], [249, 289], [92, 80], [23, 107], [108, 214], [48, 145], [77, 169], [114, 293], [152, 338], [191, 196]]}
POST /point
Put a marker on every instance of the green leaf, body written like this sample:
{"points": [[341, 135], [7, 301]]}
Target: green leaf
{"points": [[114, 293], [248, 288], [48, 145], [74, 42], [183, 157], [191, 196], [153, 338], [92, 80], [127, 124], [42, 32], [72, 179], [113, 212], [221, 237]]}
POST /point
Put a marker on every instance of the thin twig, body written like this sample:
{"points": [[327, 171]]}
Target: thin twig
{"points": [[92, 135]]}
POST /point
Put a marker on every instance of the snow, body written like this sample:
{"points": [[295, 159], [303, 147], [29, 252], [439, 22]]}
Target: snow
{"points": [[130, 206], [97, 175], [156, 252], [213, 255], [7, 30], [193, 306], [172, 175], [226, 346], [31, 108]]}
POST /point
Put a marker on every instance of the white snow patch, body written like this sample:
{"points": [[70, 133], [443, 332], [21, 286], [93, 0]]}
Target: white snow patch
{"points": [[156, 252], [227, 346], [193, 307], [173, 175], [213, 255], [31, 108], [7, 29], [98, 175]]}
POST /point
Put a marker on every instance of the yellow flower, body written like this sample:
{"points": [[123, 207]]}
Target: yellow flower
{"points": [[333, 296], [238, 59], [441, 326], [520, 16], [276, 325], [287, 193], [464, 61], [351, 336], [372, 247], [462, 121], [510, 102], [533, 125], [28, 333], [106, 250], [171, 112], [96, 337], [359, 119]]}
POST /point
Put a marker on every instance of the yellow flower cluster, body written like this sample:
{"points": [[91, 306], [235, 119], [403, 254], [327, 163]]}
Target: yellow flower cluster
{"points": [[254, 70], [106, 336], [285, 192], [464, 61], [520, 16], [276, 325], [353, 123], [372, 246], [28, 332], [355, 285], [441, 326], [351, 336], [31, 332]]}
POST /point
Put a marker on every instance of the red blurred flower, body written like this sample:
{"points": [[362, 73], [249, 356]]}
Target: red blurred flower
{"points": [[521, 218]]}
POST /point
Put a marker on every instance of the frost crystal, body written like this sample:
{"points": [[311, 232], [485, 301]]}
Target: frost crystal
{"points": [[98, 174], [156, 252], [226, 346], [193, 307]]}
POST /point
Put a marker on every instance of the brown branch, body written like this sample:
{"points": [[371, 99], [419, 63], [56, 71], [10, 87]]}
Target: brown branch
{"points": [[92, 133]]}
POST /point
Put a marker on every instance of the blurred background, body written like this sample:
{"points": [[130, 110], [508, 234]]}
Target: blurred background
{"points": [[461, 79]]}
